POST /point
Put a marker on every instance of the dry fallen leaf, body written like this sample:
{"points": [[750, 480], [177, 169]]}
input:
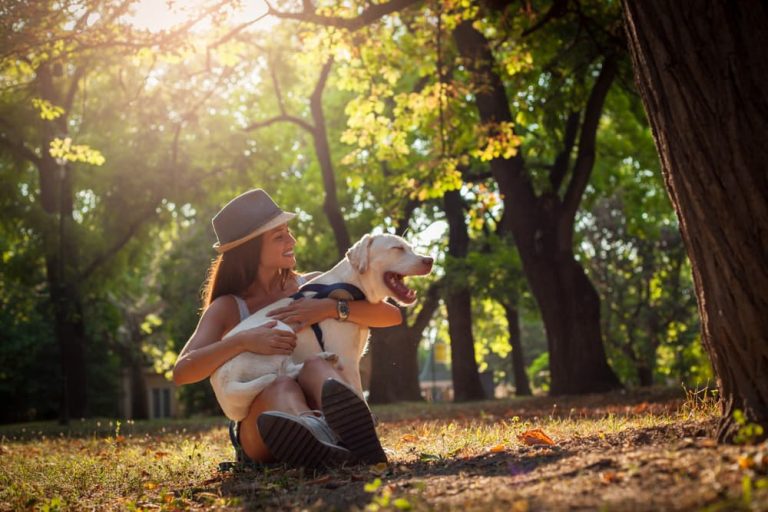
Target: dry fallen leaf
{"points": [[520, 506], [409, 438], [746, 462], [160, 454], [497, 449], [321, 480], [535, 436], [609, 477]]}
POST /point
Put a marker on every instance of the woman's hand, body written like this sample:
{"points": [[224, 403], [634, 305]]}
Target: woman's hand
{"points": [[267, 341], [301, 313]]}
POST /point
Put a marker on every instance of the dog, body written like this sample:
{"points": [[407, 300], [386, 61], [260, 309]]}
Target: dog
{"points": [[376, 264]]}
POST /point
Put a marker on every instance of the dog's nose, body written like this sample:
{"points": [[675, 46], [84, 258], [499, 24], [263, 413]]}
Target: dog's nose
{"points": [[427, 261]]}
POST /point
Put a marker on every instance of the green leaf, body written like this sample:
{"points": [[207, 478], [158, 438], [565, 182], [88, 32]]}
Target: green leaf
{"points": [[372, 486]]}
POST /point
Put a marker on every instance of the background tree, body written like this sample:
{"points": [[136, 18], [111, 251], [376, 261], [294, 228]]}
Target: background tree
{"points": [[702, 80]]}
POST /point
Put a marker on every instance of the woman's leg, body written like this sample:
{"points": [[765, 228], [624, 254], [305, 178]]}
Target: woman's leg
{"points": [[311, 378], [285, 395], [346, 413]]}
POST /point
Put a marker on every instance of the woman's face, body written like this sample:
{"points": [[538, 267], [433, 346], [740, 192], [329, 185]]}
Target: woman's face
{"points": [[277, 248]]}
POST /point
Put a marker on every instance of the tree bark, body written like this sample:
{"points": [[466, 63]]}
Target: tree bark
{"points": [[542, 227], [395, 350], [61, 260], [458, 302], [701, 70], [522, 387], [323, 152], [395, 374]]}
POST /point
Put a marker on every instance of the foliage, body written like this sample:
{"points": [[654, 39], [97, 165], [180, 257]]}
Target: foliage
{"points": [[155, 138]]}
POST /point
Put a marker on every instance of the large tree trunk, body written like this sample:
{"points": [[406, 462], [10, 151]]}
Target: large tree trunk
{"points": [[395, 350], [542, 226], [61, 260], [701, 69], [458, 302], [522, 387], [395, 376]]}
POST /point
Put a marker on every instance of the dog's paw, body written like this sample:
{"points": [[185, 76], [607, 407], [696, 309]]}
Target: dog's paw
{"points": [[329, 356], [333, 359]]}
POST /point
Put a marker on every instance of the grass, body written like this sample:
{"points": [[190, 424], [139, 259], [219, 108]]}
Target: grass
{"points": [[611, 450]]}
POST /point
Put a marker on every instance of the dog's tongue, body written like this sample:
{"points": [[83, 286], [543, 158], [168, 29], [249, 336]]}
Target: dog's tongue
{"points": [[395, 283]]}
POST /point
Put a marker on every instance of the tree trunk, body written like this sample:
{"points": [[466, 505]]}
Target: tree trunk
{"points": [[395, 351], [61, 260], [458, 302], [323, 152], [395, 374], [522, 388], [701, 70], [542, 227]]}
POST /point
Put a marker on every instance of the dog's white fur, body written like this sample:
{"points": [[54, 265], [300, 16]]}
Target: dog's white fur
{"points": [[238, 381]]}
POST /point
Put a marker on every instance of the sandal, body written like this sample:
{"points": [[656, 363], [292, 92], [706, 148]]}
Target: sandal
{"points": [[304, 440], [351, 420]]}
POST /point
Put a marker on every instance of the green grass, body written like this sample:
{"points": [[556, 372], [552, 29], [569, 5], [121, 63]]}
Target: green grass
{"points": [[174, 464]]}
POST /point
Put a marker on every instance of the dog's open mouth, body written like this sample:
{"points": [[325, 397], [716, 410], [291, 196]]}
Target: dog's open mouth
{"points": [[394, 282]]}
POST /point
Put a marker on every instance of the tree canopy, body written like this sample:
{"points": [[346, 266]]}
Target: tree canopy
{"points": [[507, 140]]}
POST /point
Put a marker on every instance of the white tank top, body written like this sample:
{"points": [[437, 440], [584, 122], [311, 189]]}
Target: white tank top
{"points": [[243, 307]]}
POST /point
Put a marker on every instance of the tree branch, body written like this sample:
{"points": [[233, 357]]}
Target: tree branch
{"points": [[585, 158], [563, 160], [282, 118], [119, 243], [369, 15], [558, 9], [429, 305], [320, 85], [276, 86], [402, 223], [17, 148]]}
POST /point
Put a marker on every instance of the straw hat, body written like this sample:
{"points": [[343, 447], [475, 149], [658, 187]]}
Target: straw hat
{"points": [[245, 217]]}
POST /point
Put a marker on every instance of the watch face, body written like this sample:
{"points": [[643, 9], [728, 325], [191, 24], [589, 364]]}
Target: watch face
{"points": [[343, 309]]}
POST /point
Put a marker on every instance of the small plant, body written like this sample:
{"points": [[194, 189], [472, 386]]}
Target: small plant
{"points": [[382, 497], [702, 401], [748, 433]]}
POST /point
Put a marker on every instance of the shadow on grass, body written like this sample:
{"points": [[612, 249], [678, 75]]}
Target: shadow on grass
{"points": [[278, 486], [109, 427]]}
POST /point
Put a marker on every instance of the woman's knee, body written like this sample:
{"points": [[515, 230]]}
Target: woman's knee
{"points": [[316, 364], [282, 384]]}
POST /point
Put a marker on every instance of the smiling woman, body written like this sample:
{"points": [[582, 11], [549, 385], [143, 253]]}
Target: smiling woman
{"points": [[159, 15]]}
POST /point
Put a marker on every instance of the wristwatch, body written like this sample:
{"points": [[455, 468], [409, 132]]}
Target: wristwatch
{"points": [[342, 310]]}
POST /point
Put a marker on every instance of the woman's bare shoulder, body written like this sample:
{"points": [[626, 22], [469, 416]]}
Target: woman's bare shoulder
{"points": [[224, 311]]}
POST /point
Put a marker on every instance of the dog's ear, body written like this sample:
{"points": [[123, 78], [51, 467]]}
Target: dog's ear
{"points": [[358, 254]]}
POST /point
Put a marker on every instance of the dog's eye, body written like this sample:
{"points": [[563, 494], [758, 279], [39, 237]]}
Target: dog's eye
{"points": [[398, 248]]}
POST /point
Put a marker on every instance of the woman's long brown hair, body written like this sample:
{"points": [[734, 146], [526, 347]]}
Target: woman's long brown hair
{"points": [[233, 271]]}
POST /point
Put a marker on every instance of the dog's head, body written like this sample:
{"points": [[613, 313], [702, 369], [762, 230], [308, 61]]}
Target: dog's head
{"points": [[383, 261]]}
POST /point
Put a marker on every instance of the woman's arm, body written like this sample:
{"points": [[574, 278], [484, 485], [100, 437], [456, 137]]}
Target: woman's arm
{"points": [[381, 314], [206, 350], [302, 313], [203, 352]]}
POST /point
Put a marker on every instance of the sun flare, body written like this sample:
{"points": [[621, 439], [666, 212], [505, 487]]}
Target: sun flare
{"points": [[159, 15]]}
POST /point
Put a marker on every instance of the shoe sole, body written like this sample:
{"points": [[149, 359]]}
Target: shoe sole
{"points": [[350, 419], [291, 442]]}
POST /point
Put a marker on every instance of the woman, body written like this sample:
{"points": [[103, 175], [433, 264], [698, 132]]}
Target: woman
{"points": [[254, 269]]}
